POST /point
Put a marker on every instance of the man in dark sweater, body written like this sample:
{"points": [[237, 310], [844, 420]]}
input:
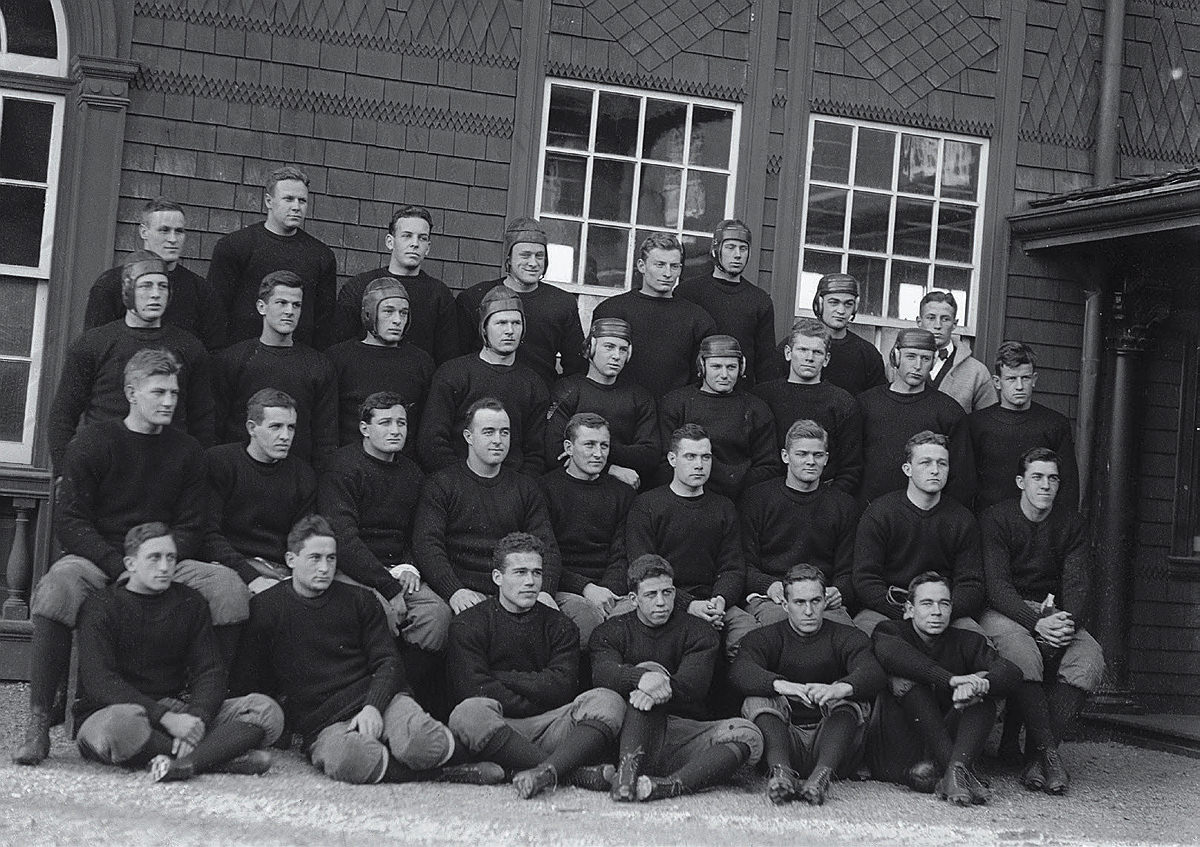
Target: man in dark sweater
{"points": [[808, 683], [384, 360], [513, 668], [92, 388], [892, 414], [698, 531], [467, 508], [276, 359], [587, 510], [552, 328], [492, 372], [118, 474], [433, 325], [802, 395], [241, 259], [794, 520], [917, 529], [257, 493], [944, 689], [854, 363], [667, 330], [1036, 562], [1002, 433], [738, 307], [739, 425], [192, 305], [661, 660], [151, 682], [324, 647], [629, 409], [369, 493]]}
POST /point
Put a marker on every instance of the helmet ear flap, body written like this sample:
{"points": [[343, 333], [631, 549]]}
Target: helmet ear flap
{"points": [[817, 306]]}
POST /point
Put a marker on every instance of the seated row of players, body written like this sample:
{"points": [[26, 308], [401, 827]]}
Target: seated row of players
{"points": [[403, 535]]}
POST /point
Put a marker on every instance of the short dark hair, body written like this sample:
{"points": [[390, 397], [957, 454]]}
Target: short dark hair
{"points": [[583, 419], [409, 212], [148, 362], [267, 398], [1039, 454], [143, 532], [648, 566], [277, 278], [1013, 354], [925, 578], [489, 403], [285, 174], [160, 204], [660, 241], [938, 297], [690, 431], [515, 542], [809, 328], [803, 572], [309, 526], [380, 400], [925, 436], [805, 428]]}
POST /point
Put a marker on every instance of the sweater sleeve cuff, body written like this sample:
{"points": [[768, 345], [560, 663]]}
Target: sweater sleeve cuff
{"points": [[939, 676]]}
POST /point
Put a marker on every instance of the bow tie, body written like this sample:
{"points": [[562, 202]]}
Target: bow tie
{"points": [[943, 353]]}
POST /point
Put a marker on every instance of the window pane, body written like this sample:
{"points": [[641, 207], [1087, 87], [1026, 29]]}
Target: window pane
{"points": [[956, 232], [695, 256], [21, 213], [813, 266], [869, 221], [665, 121], [16, 318], [875, 162], [712, 135], [612, 190], [958, 282], [704, 206], [658, 199], [909, 281], [960, 170], [562, 184], [918, 164], [826, 216], [14, 383], [562, 251], [617, 124], [30, 25], [25, 139], [914, 226], [831, 152], [870, 273], [570, 117], [607, 257]]}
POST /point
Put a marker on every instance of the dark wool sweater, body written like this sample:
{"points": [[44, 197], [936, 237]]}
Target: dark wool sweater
{"points": [[459, 383], [301, 372], [956, 652], [362, 369], [241, 259], [699, 536], [782, 527], [834, 653], [191, 306], [92, 385], [854, 364], [631, 414], [432, 321], [833, 408], [740, 309], [140, 648], [890, 419], [114, 479], [741, 430], [372, 505], [685, 645], [666, 338], [552, 328], [896, 540], [252, 507], [1001, 436], [323, 658], [528, 662], [462, 515], [589, 524], [1026, 560]]}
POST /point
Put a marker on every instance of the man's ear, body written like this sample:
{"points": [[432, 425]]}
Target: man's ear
{"points": [[908, 610], [128, 563], [261, 307], [907, 469], [1020, 482], [672, 459], [497, 576], [289, 559]]}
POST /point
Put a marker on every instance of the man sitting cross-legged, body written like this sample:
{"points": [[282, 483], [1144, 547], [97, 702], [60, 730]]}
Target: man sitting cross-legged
{"points": [[324, 647], [661, 659], [151, 683], [809, 683], [513, 667], [945, 685]]}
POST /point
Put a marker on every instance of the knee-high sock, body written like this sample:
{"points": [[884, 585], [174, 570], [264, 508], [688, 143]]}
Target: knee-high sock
{"points": [[643, 731], [1030, 698], [222, 743], [920, 708], [837, 734], [1065, 701], [777, 742], [714, 765], [511, 750], [51, 661], [974, 724], [584, 745], [159, 744], [229, 637]]}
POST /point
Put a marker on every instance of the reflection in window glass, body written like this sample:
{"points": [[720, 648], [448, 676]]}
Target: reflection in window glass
{"points": [[918, 164], [607, 257], [570, 117], [664, 137], [704, 206], [870, 221], [914, 227], [909, 282], [871, 273], [826, 216], [562, 251], [712, 133], [960, 170], [562, 185], [831, 152], [956, 232], [24, 128], [658, 200], [874, 163], [612, 190], [617, 124]]}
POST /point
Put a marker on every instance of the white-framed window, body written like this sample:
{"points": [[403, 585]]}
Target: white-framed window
{"points": [[33, 37], [619, 163], [900, 209]]}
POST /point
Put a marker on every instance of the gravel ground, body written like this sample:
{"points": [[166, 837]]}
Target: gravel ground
{"points": [[1121, 796]]}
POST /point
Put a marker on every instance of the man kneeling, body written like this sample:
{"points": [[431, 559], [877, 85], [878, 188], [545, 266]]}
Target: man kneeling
{"points": [[808, 683], [146, 644]]}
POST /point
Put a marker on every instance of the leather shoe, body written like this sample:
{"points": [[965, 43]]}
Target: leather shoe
{"points": [[816, 786], [782, 784], [36, 746]]}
